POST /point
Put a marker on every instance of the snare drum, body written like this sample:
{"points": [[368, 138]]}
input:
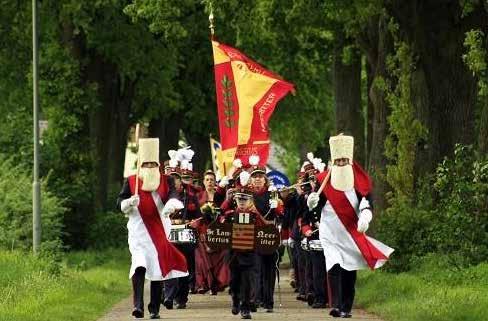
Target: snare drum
{"points": [[181, 234], [304, 244], [315, 245]]}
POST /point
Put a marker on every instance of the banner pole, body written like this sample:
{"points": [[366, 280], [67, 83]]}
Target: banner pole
{"points": [[138, 160]]}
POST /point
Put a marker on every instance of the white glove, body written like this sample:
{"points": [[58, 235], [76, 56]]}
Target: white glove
{"points": [[129, 204], [224, 181], [364, 219], [284, 242], [313, 200], [364, 204], [273, 203], [171, 206]]}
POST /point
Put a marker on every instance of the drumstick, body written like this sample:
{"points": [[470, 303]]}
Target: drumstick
{"points": [[138, 160], [195, 220]]}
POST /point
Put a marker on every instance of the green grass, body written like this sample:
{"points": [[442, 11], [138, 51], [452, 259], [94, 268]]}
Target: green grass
{"points": [[82, 287], [435, 291]]}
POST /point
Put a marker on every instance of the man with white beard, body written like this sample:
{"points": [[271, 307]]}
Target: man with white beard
{"points": [[148, 206], [345, 206]]}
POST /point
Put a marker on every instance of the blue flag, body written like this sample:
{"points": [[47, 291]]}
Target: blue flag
{"points": [[279, 179]]}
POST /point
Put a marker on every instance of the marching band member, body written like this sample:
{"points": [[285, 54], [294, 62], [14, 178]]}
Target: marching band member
{"points": [[317, 277], [145, 199], [271, 208], [229, 183], [293, 208], [346, 211], [177, 290], [302, 252], [289, 197], [242, 262], [212, 272]]}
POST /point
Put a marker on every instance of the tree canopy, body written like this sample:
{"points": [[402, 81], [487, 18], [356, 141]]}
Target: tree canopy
{"points": [[407, 78]]}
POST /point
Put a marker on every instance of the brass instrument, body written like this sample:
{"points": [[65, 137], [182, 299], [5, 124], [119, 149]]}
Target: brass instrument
{"points": [[292, 187], [210, 209]]}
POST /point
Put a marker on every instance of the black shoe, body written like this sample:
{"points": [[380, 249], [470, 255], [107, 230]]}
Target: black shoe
{"points": [[335, 313], [269, 310], [181, 306], [301, 297], [310, 299], [253, 307], [168, 304], [345, 314], [138, 313], [154, 316], [246, 315], [296, 290], [319, 305], [235, 309]]}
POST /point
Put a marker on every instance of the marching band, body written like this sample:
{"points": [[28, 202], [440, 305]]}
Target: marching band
{"points": [[231, 233]]}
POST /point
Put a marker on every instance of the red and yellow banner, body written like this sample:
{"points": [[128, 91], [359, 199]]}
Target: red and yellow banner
{"points": [[247, 95]]}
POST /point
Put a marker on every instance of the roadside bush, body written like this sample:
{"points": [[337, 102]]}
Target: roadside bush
{"points": [[108, 231], [450, 215], [16, 210]]}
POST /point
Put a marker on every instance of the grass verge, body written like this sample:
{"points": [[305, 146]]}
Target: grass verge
{"points": [[433, 291], [81, 287]]}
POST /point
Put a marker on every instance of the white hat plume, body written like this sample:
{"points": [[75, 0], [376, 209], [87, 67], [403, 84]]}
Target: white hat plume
{"points": [[244, 178], [254, 160]]}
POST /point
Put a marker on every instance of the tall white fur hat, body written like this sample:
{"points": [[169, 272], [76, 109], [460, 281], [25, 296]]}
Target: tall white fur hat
{"points": [[149, 150], [341, 146]]}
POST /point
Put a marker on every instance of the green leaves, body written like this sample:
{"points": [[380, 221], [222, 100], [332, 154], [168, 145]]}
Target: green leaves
{"points": [[16, 211], [226, 82], [449, 213], [476, 58], [227, 85]]}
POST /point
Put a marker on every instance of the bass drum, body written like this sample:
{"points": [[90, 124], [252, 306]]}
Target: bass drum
{"points": [[315, 245], [181, 234]]}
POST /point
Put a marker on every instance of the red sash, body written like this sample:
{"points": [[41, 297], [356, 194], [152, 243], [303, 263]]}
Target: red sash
{"points": [[347, 214], [169, 257]]}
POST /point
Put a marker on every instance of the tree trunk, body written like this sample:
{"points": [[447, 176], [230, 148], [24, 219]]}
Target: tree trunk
{"points": [[483, 113], [443, 89], [108, 122], [125, 91], [378, 44], [370, 114], [347, 97], [201, 145], [167, 130]]}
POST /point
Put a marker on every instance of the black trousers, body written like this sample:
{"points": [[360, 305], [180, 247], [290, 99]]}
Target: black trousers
{"points": [[178, 289], [241, 284], [138, 291], [309, 290], [319, 276], [266, 279], [342, 285], [295, 263], [302, 265]]}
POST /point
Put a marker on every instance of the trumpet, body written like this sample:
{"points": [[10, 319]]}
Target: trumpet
{"points": [[288, 188], [293, 187]]}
